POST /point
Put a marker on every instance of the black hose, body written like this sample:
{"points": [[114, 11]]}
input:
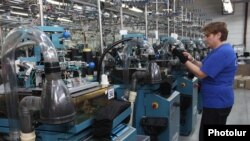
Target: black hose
{"points": [[106, 51], [137, 76]]}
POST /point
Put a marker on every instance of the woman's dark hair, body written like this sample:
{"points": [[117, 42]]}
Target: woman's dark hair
{"points": [[216, 27]]}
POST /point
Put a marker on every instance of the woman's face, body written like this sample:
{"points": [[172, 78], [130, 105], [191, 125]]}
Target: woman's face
{"points": [[212, 40]]}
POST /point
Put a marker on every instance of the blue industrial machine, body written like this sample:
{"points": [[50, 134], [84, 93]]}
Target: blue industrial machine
{"points": [[55, 112], [156, 113], [155, 106], [188, 88], [87, 103], [186, 84]]}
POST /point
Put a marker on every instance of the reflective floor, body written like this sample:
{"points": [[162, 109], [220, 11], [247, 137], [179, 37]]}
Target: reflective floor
{"points": [[240, 113]]}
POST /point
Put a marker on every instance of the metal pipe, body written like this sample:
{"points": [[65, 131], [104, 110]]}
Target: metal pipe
{"points": [[41, 11], [182, 14], [121, 17], [190, 30], [137, 76], [186, 14], [174, 6], [1, 39], [100, 28], [245, 26], [146, 21], [174, 16], [156, 13], [168, 19], [100, 23]]}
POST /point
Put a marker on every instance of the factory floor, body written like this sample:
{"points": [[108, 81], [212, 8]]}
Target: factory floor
{"points": [[240, 113]]}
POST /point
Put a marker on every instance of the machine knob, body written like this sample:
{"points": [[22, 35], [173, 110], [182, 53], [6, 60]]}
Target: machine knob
{"points": [[155, 105], [183, 84]]}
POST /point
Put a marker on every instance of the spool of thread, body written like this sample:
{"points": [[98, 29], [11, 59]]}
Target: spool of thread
{"points": [[104, 80]]}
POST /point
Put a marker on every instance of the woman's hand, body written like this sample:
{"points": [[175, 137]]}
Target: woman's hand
{"points": [[189, 56]]}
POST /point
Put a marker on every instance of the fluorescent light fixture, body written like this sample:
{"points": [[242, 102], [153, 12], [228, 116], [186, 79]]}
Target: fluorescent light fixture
{"points": [[18, 13], [136, 10], [227, 6], [1, 10], [64, 20], [55, 2], [59, 19], [61, 3], [132, 9], [167, 10]]}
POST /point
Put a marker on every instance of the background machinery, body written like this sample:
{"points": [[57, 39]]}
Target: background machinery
{"points": [[55, 111]]}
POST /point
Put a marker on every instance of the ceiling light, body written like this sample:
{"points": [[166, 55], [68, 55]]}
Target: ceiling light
{"points": [[61, 3], [55, 2], [167, 10], [64, 20], [59, 19], [227, 6], [132, 9], [136, 10], [18, 13]]}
